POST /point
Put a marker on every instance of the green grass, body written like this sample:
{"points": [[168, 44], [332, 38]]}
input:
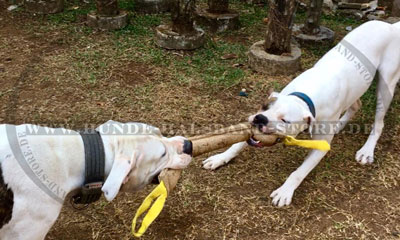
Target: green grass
{"points": [[136, 42], [128, 5], [251, 15], [71, 13]]}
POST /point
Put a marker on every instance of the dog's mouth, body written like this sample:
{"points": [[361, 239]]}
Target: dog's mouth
{"points": [[155, 179], [255, 143]]}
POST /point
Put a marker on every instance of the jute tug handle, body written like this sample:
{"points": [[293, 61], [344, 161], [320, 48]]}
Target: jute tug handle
{"points": [[216, 140]]}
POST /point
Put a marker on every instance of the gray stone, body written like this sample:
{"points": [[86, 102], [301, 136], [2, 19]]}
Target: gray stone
{"points": [[107, 23], [44, 7], [324, 36], [169, 39], [217, 22], [264, 62], [12, 8], [329, 7], [376, 15], [152, 6]]}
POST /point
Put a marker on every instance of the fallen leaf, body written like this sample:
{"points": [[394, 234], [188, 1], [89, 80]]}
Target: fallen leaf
{"points": [[238, 65], [229, 56]]}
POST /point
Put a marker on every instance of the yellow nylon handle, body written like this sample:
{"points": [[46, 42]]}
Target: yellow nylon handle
{"points": [[160, 194], [314, 144]]}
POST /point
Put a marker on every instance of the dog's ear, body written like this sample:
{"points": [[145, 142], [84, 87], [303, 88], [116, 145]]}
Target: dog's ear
{"points": [[121, 167], [270, 91], [272, 96]]}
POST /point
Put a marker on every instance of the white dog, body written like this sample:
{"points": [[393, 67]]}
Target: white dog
{"points": [[56, 167], [320, 95]]}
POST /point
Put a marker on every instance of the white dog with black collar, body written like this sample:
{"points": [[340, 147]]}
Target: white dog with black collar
{"points": [[334, 85], [41, 166]]}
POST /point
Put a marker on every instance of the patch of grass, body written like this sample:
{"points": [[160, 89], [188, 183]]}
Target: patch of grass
{"points": [[206, 63], [369, 102], [89, 65], [224, 76], [71, 12], [251, 15], [140, 26], [128, 5], [339, 21]]}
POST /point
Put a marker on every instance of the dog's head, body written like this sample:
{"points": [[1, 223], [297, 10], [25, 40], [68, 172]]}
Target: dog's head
{"points": [[282, 115], [140, 157]]}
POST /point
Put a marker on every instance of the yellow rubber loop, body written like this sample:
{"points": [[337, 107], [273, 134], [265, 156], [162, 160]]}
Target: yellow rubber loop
{"points": [[314, 144], [160, 194]]}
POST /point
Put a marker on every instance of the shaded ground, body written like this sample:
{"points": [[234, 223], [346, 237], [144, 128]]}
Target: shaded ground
{"points": [[54, 70]]}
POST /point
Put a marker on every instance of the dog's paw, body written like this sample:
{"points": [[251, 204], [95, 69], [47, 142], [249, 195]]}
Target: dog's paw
{"points": [[282, 196], [214, 162], [365, 155]]}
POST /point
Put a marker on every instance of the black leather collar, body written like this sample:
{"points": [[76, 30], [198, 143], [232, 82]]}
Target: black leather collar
{"points": [[306, 99], [94, 168]]}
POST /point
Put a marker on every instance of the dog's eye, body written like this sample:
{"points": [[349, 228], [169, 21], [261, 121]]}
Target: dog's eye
{"points": [[165, 153], [283, 120]]}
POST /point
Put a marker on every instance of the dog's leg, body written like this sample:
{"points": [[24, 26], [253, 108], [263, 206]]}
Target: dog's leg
{"points": [[218, 160], [348, 115], [385, 93], [31, 219], [283, 195]]}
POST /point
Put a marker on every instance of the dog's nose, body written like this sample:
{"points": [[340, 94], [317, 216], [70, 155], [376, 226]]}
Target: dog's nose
{"points": [[188, 147], [260, 119]]}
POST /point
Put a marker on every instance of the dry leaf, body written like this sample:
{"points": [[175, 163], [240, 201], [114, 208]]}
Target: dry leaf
{"points": [[238, 65], [229, 56]]}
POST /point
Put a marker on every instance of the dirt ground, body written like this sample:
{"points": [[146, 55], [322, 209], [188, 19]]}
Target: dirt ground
{"points": [[56, 71]]}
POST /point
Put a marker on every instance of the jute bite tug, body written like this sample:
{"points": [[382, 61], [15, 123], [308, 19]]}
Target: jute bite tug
{"points": [[199, 145]]}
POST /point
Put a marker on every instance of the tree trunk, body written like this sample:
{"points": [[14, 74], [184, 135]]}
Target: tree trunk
{"points": [[396, 8], [314, 11], [182, 13], [281, 15], [107, 7], [218, 6]]}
